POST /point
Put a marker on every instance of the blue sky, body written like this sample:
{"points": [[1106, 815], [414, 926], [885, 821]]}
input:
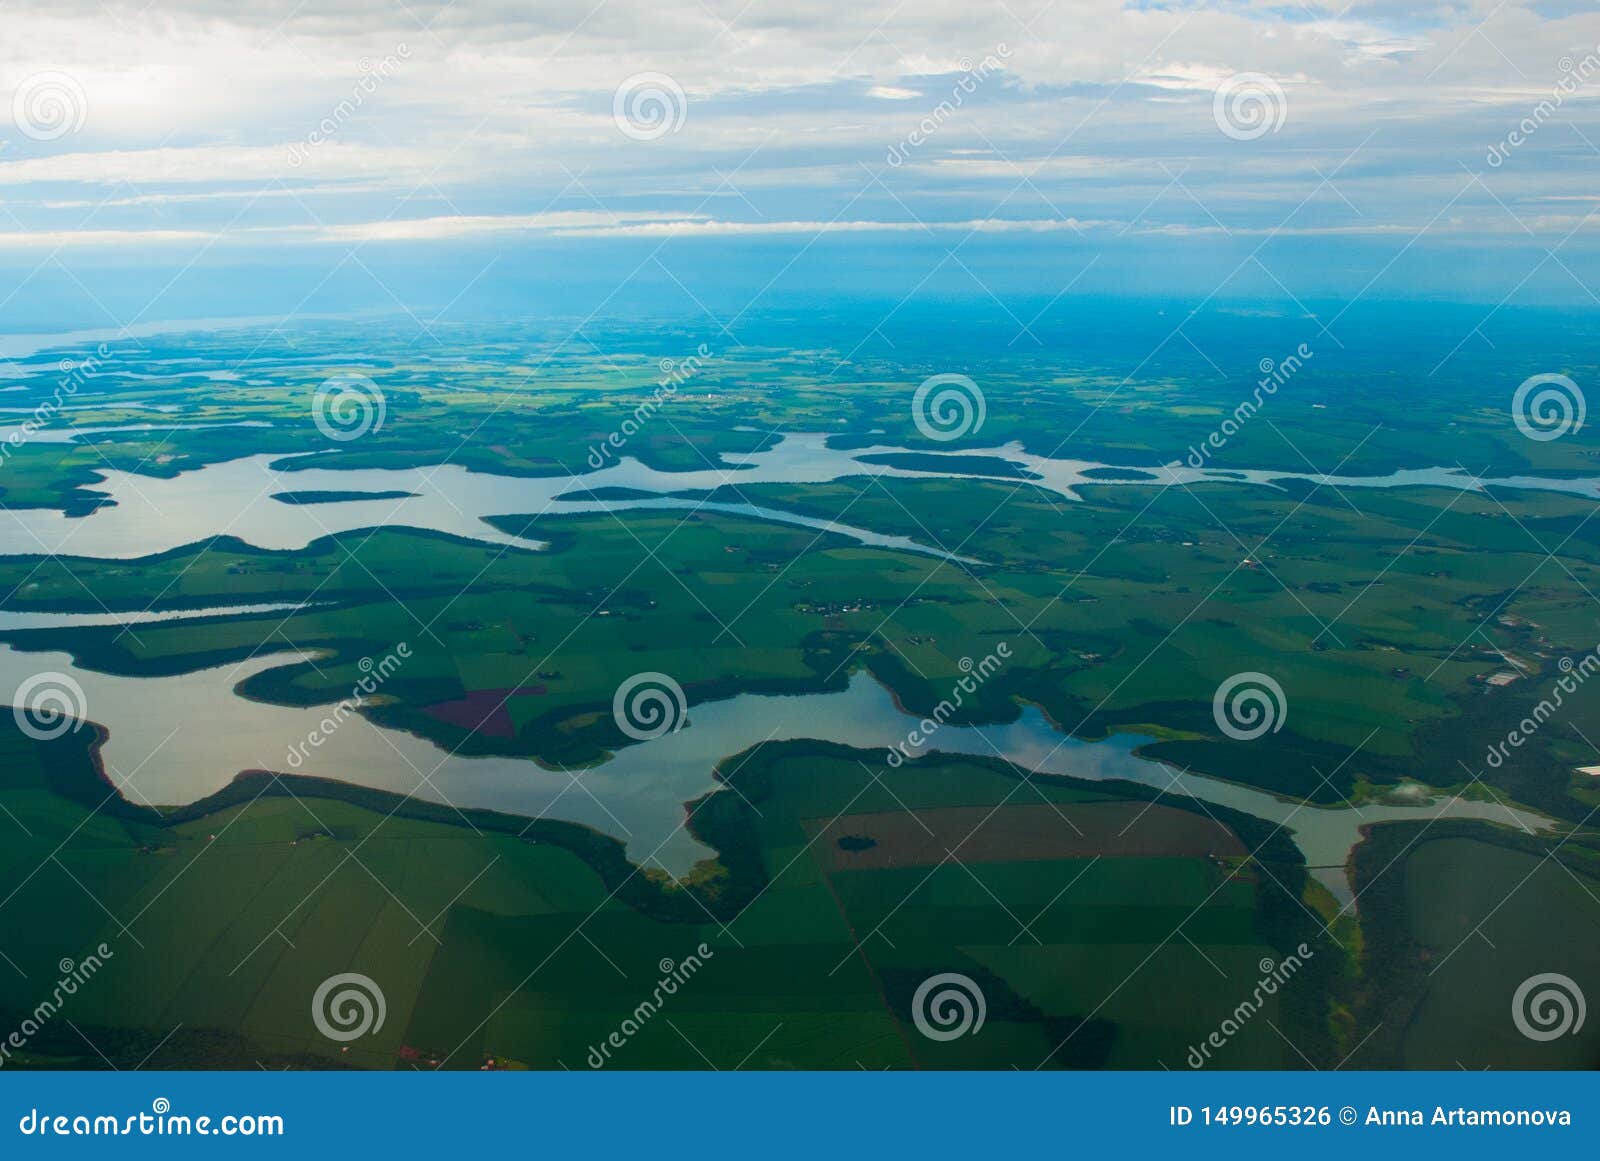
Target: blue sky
{"points": [[163, 158]]}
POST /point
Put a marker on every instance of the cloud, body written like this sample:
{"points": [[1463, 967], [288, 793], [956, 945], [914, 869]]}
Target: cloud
{"points": [[210, 164], [502, 114], [58, 239], [443, 228], [646, 225], [706, 228]]}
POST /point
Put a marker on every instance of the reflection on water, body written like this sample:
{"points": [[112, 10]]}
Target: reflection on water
{"points": [[176, 739], [11, 620], [235, 497]]}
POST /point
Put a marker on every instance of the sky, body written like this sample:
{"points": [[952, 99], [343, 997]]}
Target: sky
{"points": [[183, 157]]}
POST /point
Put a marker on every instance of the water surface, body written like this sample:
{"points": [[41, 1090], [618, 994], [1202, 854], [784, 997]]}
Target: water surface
{"points": [[173, 740], [235, 497]]}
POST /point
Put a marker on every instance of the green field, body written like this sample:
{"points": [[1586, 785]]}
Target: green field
{"points": [[1105, 925], [529, 944], [1458, 916], [1103, 633]]}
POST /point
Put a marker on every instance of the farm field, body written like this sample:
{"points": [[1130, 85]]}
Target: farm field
{"points": [[1425, 640], [509, 946], [1434, 896], [516, 651], [613, 542]]}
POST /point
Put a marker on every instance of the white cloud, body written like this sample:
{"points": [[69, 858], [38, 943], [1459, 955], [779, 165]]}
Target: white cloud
{"points": [[465, 226], [664, 226], [57, 239], [710, 228], [210, 164], [504, 110]]}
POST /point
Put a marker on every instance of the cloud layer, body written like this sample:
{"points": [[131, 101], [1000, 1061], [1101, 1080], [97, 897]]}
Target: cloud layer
{"points": [[190, 124]]}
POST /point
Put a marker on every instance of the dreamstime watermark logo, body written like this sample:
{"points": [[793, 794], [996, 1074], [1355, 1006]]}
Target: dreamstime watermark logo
{"points": [[1574, 674], [1547, 407], [160, 1121], [73, 976], [1574, 74], [674, 374], [348, 406], [48, 705], [75, 374], [976, 675], [1249, 105], [649, 705], [1247, 705], [47, 106], [373, 675], [1273, 977], [673, 977], [373, 75], [1548, 1006], [948, 1006], [649, 105], [972, 77], [947, 407], [348, 1006], [1273, 376]]}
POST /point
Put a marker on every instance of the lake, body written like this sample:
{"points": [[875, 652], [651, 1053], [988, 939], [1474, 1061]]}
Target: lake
{"points": [[176, 739]]}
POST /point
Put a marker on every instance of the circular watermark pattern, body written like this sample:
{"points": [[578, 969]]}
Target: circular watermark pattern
{"points": [[47, 106], [1547, 407], [948, 1006], [947, 407], [649, 705], [348, 1006], [1548, 1006], [161, 1106], [1249, 105], [649, 105], [347, 407], [1247, 705], [48, 705]]}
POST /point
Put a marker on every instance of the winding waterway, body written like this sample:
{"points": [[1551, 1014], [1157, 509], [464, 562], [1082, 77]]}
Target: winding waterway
{"points": [[173, 740], [235, 498]]}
